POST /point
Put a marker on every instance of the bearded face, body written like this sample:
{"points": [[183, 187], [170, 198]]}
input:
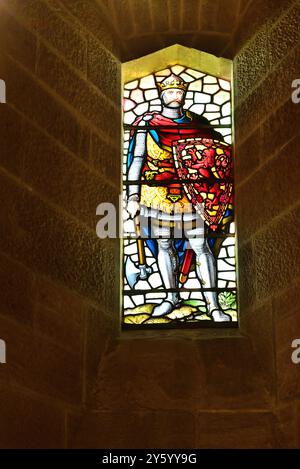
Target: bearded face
{"points": [[173, 97]]}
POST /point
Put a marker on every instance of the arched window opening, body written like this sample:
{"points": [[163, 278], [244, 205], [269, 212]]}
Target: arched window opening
{"points": [[178, 257]]}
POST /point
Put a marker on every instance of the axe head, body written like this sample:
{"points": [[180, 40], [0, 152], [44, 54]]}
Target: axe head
{"points": [[134, 274]]}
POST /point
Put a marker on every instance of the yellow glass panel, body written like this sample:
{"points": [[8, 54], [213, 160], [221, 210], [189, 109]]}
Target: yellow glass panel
{"points": [[174, 55]]}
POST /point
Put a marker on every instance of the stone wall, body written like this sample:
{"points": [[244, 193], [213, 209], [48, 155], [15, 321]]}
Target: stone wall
{"points": [[268, 190], [71, 378], [59, 159]]}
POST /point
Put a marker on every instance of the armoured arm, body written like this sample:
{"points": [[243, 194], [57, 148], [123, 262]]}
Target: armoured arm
{"points": [[135, 169]]}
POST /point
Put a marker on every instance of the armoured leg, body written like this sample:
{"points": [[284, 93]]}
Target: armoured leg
{"points": [[168, 266], [206, 272]]}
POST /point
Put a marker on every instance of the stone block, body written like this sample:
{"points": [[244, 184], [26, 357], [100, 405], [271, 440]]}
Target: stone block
{"points": [[244, 4], [59, 314], [81, 95], [233, 376], [287, 426], [104, 71], [59, 326], [12, 133], [266, 140], [287, 328], [54, 172], [248, 430], [160, 16], [18, 294], [257, 324], [277, 186], [106, 158], [28, 421], [93, 17], [54, 244], [122, 9], [18, 42], [149, 374], [152, 429], [286, 300], [251, 65], [28, 97], [50, 25], [64, 179], [251, 22], [247, 277], [247, 156], [279, 129], [174, 16], [247, 116], [141, 13], [39, 364], [190, 17], [269, 95], [218, 16], [100, 329], [276, 250], [285, 34]]}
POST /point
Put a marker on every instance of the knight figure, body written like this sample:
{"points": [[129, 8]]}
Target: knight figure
{"points": [[156, 185]]}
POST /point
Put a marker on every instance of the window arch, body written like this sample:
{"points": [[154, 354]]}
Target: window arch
{"points": [[178, 256]]}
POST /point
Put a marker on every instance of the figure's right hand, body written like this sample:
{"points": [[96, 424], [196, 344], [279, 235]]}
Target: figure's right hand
{"points": [[133, 207]]}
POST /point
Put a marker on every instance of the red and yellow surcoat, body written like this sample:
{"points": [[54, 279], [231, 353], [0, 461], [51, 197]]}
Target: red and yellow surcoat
{"points": [[159, 166]]}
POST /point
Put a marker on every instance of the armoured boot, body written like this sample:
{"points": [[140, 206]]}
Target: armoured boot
{"points": [[206, 272], [168, 266]]}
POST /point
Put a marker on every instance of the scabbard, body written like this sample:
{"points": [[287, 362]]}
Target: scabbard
{"points": [[186, 265]]}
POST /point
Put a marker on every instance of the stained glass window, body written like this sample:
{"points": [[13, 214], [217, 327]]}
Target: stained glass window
{"points": [[179, 234]]}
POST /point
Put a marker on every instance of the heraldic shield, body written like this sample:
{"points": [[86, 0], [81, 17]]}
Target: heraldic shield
{"points": [[205, 168]]}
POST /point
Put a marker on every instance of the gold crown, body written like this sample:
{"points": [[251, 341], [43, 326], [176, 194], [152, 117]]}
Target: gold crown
{"points": [[172, 82]]}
